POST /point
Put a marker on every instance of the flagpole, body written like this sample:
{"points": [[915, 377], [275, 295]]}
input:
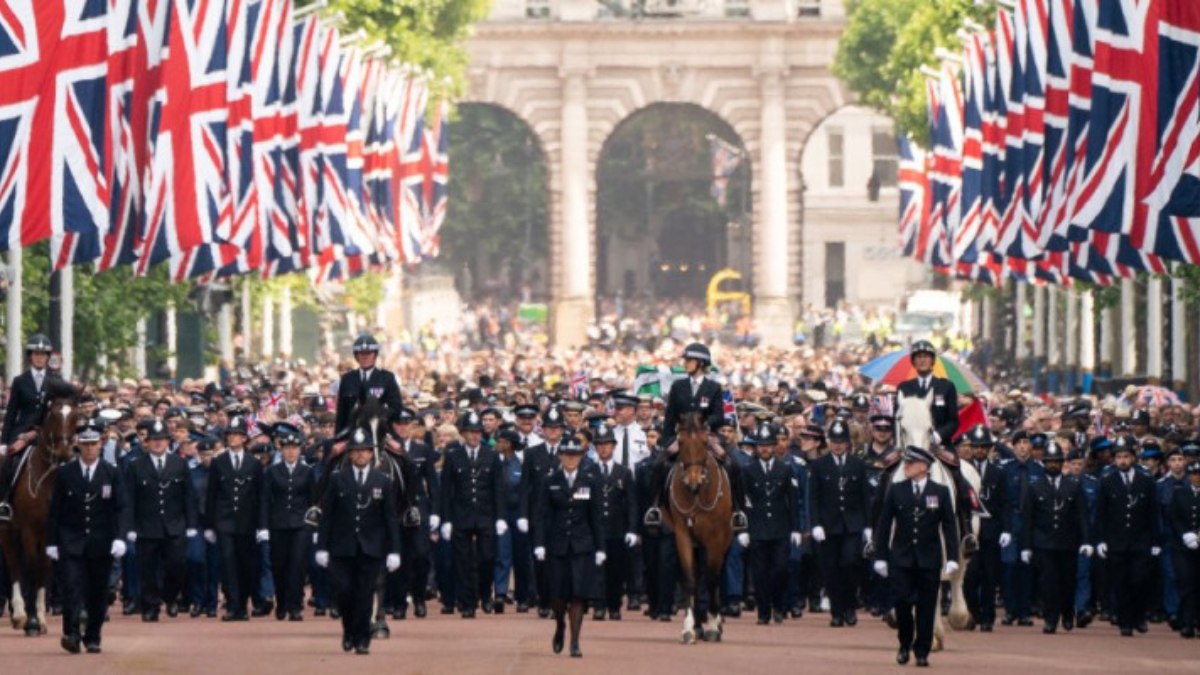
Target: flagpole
{"points": [[15, 361]]}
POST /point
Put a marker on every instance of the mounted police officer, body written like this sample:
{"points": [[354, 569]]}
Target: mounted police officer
{"points": [[29, 396], [943, 398], [288, 491], [366, 380], [693, 394]]}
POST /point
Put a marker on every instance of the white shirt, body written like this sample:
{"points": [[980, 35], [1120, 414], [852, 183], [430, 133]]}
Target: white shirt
{"points": [[767, 465], [39, 376], [360, 476], [608, 467], [160, 461], [366, 374], [472, 453], [290, 467], [89, 470], [570, 478], [696, 382], [924, 381], [236, 458], [920, 486], [639, 449]]}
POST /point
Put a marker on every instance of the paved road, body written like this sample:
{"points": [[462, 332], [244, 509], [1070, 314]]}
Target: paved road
{"points": [[521, 643]]}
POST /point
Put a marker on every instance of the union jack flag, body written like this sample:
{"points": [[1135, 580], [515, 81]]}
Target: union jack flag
{"points": [[437, 181], [579, 384], [944, 168], [728, 407], [275, 130], [410, 174], [53, 62], [314, 84], [914, 197]]}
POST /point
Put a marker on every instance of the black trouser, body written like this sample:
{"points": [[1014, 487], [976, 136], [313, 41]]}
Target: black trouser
{"points": [[413, 575], [839, 555], [616, 575], [85, 585], [660, 556], [7, 468], [239, 569], [768, 566], [165, 558], [981, 580], [915, 587], [1056, 572], [1129, 575], [354, 580], [474, 560], [1187, 577], [289, 560]]}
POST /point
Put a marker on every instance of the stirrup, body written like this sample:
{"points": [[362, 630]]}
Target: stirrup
{"points": [[739, 521], [653, 517], [412, 517], [312, 517], [6, 513]]}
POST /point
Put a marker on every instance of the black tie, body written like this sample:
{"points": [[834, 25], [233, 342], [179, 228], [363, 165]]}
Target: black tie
{"points": [[362, 477], [88, 474], [237, 463], [607, 470], [625, 448], [917, 491], [1128, 480], [158, 465]]}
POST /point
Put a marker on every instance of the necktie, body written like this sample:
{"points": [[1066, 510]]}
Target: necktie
{"points": [[625, 447], [917, 491], [158, 464], [88, 474], [571, 480], [1128, 480], [473, 452], [237, 461], [362, 477], [364, 375]]}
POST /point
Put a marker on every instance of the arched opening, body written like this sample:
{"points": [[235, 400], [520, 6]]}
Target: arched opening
{"points": [[673, 205], [495, 239]]}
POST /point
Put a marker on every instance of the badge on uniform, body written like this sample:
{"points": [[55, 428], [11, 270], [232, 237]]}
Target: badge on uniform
{"points": [[939, 400], [105, 491], [931, 501], [377, 493], [583, 493], [376, 391], [703, 401]]}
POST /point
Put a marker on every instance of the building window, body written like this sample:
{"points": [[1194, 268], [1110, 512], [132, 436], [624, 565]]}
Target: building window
{"points": [[883, 150], [810, 9], [537, 9], [836, 162], [737, 9], [835, 273]]}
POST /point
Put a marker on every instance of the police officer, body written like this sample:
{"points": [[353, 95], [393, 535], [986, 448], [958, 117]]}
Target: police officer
{"points": [[472, 512], [232, 510], [913, 552], [366, 380], [570, 538], [358, 535], [421, 462], [1056, 533], [164, 513], [1185, 522], [881, 457], [1090, 486], [87, 518], [1018, 581], [618, 507], [539, 461], [943, 398], [771, 509], [840, 497], [983, 571], [658, 547], [28, 397], [288, 491], [1128, 535]]}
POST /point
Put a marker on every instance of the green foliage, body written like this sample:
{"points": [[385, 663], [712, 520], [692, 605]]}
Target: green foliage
{"points": [[363, 294]]}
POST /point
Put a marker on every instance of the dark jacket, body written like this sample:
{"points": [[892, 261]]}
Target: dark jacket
{"points": [[1127, 518], [570, 520], [539, 462], [707, 401], [921, 527], [27, 406], [472, 493], [1054, 520], [770, 501], [994, 497], [839, 497], [1185, 514], [285, 497], [359, 519], [86, 517], [943, 404], [232, 498], [353, 391], [163, 505], [618, 501]]}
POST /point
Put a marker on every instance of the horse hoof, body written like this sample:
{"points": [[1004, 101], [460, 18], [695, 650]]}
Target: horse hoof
{"points": [[18, 623], [711, 636]]}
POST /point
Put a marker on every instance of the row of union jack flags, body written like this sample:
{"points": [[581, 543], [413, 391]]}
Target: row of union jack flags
{"points": [[1065, 145], [219, 136]]}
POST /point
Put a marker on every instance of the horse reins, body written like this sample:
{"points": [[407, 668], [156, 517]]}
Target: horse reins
{"points": [[696, 503]]}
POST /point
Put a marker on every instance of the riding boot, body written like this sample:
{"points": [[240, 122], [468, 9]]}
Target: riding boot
{"points": [[658, 481], [6, 480], [737, 491]]}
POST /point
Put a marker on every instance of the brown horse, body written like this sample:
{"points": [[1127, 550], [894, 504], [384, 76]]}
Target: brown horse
{"points": [[701, 505], [24, 539]]}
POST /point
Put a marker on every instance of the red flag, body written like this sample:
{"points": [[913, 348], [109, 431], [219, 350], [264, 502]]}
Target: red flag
{"points": [[969, 416]]}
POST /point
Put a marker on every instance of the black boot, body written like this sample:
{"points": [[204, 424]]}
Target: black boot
{"points": [[662, 469], [738, 493]]}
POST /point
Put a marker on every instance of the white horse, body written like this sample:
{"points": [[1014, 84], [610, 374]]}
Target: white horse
{"points": [[914, 424]]}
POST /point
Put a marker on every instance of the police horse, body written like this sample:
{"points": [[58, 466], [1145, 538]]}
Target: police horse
{"points": [[24, 538], [914, 424], [701, 506]]}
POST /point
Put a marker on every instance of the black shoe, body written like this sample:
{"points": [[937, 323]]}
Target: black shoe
{"points": [[614, 614], [295, 615], [498, 606], [1026, 621], [1142, 628], [665, 618], [129, 608], [635, 605], [1068, 622], [1009, 620], [172, 609], [419, 610], [335, 613], [468, 614], [195, 611], [902, 656], [150, 617], [814, 606], [557, 643], [264, 609], [347, 645], [985, 628], [922, 661], [851, 618], [70, 643], [575, 653], [92, 647], [447, 609], [797, 611], [1049, 629], [400, 613], [837, 621], [598, 615], [1188, 633], [543, 613], [280, 614], [1084, 619], [522, 608], [1126, 632], [211, 612], [362, 650], [777, 617], [320, 611], [487, 607], [763, 621]]}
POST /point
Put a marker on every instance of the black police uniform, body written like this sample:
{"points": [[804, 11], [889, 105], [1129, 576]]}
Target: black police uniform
{"points": [[1127, 524], [1185, 519], [472, 501], [27, 406], [1054, 513], [539, 461], [618, 508], [943, 402], [571, 529], [287, 494], [86, 517], [232, 511], [414, 569], [356, 385], [840, 497], [658, 547], [983, 572], [771, 511], [164, 509]]}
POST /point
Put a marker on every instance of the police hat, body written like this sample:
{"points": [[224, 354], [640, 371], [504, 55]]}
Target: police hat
{"points": [[1053, 452], [157, 429], [513, 437], [1074, 455], [527, 410], [813, 431], [604, 434], [881, 421], [366, 343], [470, 421], [1140, 418], [922, 347], [402, 416], [1038, 440], [698, 352], [980, 435], [1021, 435], [89, 431], [839, 431], [1078, 410], [624, 400], [39, 343], [1125, 444], [1190, 448], [765, 434], [237, 425], [361, 439], [1194, 467], [286, 433], [570, 446], [914, 453], [861, 402], [206, 444], [553, 418]]}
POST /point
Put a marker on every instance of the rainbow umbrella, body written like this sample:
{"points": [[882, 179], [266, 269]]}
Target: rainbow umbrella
{"points": [[895, 367]]}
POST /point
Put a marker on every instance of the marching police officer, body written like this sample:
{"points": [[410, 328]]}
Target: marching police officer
{"points": [[420, 460], [87, 518], [983, 571], [164, 507], [913, 552], [658, 548], [771, 510], [1056, 533], [1018, 582], [358, 532], [472, 512], [232, 510], [618, 508], [840, 497], [943, 397], [1185, 522], [539, 461], [1128, 535], [28, 397], [366, 380], [881, 457], [288, 492]]}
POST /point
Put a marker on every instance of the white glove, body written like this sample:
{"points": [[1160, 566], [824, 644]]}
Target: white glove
{"points": [[818, 534], [743, 538], [522, 525], [261, 536], [881, 568], [951, 567], [210, 536], [118, 549], [501, 528], [392, 562], [1005, 539], [1085, 551], [631, 540], [1191, 540], [131, 537], [935, 438], [1155, 550], [52, 552], [435, 521], [539, 553], [322, 558], [600, 557], [1026, 556], [1102, 550], [797, 539], [189, 533], [866, 535], [447, 528]]}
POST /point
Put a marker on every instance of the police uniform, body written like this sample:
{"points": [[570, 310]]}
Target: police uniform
{"points": [[840, 497], [1185, 549], [88, 517], [414, 570], [356, 385], [232, 513], [164, 513], [617, 496], [1018, 581], [537, 464], [982, 577], [1056, 532], [880, 463], [771, 512], [941, 392], [287, 494], [659, 556]]}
